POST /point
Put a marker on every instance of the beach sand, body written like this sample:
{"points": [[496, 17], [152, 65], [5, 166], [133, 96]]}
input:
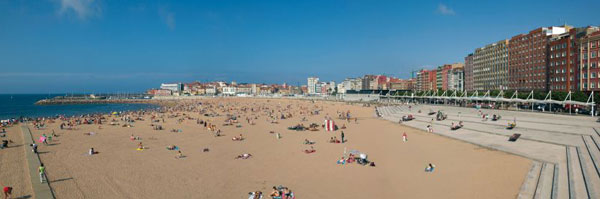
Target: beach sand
{"points": [[120, 171]]}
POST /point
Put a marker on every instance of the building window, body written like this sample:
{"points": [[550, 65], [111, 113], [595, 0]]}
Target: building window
{"points": [[593, 75]]}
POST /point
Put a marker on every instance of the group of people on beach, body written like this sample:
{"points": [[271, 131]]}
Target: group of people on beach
{"points": [[208, 112]]}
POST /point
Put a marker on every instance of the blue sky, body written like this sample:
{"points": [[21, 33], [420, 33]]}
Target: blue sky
{"points": [[56, 46]]}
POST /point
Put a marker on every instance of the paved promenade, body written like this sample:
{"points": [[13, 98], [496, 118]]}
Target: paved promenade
{"points": [[565, 149], [40, 190]]}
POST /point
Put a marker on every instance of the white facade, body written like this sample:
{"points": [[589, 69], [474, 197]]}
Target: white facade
{"points": [[555, 30], [176, 88], [254, 89], [245, 90], [352, 84], [311, 84], [211, 90], [340, 88], [456, 79], [229, 90]]}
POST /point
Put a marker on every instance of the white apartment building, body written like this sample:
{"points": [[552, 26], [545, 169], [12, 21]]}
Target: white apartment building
{"points": [[312, 83]]}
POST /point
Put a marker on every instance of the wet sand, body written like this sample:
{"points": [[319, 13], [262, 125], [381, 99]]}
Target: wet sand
{"points": [[120, 171]]}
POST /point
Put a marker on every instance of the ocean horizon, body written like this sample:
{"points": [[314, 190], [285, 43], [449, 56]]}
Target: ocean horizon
{"points": [[17, 105]]}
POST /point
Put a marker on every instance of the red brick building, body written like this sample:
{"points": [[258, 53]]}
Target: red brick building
{"points": [[426, 80], [569, 69], [402, 84], [469, 72], [589, 61], [562, 62], [527, 58]]}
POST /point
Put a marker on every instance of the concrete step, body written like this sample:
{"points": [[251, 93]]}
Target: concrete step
{"points": [[596, 138], [545, 183], [577, 182], [594, 151], [589, 161], [528, 124], [561, 180], [529, 186]]}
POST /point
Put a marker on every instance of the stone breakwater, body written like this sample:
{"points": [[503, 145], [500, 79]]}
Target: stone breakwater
{"points": [[92, 101]]}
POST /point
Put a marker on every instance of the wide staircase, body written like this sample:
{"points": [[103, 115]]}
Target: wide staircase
{"points": [[565, 156]]}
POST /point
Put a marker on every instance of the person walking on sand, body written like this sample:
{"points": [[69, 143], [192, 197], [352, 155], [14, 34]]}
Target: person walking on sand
{"points": [[404, 138], [42, 171], [343, 137]]}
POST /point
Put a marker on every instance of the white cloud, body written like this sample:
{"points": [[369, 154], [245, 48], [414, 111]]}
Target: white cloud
{"points": [[168, 17], [445, 10], [82, 8]]}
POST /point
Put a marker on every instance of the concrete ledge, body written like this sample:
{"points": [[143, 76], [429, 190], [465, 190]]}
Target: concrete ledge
{"points": [[40, 190]]}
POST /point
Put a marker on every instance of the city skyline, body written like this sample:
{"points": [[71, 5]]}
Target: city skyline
{"points": [[107, 46]]}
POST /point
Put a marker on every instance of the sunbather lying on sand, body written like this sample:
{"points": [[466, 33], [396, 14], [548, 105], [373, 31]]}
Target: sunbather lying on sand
{"points": [[311, 150], [255, 195], [244, 156], [334, 140], [306, 141], [237, 138], [341, 161], [179, 155]]}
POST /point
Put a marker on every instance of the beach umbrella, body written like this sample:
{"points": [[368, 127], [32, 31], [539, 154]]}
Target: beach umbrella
{"points": [[329, 125]]}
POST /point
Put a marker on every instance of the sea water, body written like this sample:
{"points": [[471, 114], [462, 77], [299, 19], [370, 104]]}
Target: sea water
{"points": [[14, 106]]}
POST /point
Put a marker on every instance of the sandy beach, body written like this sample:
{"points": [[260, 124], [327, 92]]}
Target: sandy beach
{"points": [[120, 171]]}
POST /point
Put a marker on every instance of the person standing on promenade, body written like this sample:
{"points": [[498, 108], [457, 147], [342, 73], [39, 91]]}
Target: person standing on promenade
{"points": [[404, 138], [42, 171], [7, 192], [34, 148], [343, 137]]}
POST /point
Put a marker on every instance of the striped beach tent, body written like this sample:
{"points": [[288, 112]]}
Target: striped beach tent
{"points": [[329, 125]]}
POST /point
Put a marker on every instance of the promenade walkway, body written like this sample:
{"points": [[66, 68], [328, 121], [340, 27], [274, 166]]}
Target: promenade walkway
{"points": [[565, 150], [40, 190]]}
